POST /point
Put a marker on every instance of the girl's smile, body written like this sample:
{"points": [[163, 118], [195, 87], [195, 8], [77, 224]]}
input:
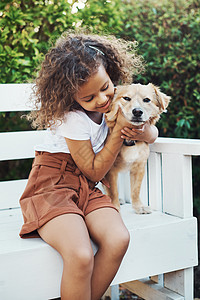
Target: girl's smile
{"points": [[105, 105], [96, 94]]}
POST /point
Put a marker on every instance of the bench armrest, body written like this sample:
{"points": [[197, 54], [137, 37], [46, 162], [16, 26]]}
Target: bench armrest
{"points": [[170, 175], [176, 145]]}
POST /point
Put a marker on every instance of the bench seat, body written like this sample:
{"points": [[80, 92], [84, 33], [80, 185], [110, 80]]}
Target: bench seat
{"points": [[32, 260]]}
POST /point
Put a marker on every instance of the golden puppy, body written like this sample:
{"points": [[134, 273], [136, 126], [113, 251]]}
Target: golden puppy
{"points": [[139, 104]]}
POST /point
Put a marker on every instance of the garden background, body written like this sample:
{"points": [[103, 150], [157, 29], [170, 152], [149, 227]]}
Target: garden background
{"points": [[168, 36]]}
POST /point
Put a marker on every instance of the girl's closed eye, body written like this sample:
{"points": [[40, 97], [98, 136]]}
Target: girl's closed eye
{"points": [[89, 100], [105, 88]]}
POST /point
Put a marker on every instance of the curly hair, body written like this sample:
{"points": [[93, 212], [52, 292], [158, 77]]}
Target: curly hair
{"points": [[70, 63]]}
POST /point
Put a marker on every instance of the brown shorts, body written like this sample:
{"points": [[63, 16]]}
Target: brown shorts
{"points": [[55, 187]]}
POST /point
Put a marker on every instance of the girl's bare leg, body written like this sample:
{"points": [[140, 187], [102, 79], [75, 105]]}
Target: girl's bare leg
{"points": [[110, 234], [69, 236]]}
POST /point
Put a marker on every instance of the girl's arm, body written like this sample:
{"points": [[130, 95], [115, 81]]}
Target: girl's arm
{"points": [[95, 166]]}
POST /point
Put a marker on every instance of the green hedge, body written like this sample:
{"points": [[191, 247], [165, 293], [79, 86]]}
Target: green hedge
{"points": [[27, 28], [167, 32], [168, 38]]}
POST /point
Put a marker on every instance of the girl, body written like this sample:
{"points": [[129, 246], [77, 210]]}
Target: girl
{"points": [[74, 89]]}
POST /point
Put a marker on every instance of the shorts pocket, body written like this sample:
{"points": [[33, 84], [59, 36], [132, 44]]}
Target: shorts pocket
{"points": [[47, 178]]}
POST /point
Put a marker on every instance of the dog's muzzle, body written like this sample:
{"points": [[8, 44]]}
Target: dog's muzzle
{"points": [[137, 112], [137, 115]]}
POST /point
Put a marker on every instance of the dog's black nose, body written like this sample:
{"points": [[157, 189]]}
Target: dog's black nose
{"points": [[137, 112]]}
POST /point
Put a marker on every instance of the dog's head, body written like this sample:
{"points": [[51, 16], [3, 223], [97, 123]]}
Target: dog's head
{"points": [[139, 103]]}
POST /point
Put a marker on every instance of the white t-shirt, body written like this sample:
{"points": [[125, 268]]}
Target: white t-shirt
{"points": [[76, 126]]}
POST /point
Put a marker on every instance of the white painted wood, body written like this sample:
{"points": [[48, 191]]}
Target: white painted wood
{"points": [[30, 274], [7, 140], [169, 245], [177, 185], [10, 192], [158, 279], [148, 289], [19, 145], [144, 192], [170, 242], [115, 292], [15, 97], [189, 283], [176, 145], [124, 187], [161, 280], [125, 191], [155, 181]]}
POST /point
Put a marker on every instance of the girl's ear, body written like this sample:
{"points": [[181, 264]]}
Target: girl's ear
{"points": [[162, 99]]}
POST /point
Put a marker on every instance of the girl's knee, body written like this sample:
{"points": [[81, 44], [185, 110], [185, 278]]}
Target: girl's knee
{"points": [[123, 239], [80, 260], [117, 243]]}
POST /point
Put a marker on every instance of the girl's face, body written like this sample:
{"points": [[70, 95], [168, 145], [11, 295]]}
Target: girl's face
{"points": [[97, 93]]}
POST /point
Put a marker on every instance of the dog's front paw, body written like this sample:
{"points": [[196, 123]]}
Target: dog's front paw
{"points": [[142, 209]]}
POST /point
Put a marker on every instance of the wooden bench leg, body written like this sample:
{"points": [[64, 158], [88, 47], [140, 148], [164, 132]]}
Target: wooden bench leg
{"points": [[176, 285], [150, 290]]}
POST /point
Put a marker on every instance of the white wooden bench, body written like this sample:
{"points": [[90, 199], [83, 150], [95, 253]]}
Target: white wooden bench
{"points": [[164, 242]]}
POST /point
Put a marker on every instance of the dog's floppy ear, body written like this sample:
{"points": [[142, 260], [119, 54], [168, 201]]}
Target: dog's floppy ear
{"points": [[112, 115], [162, 99]]}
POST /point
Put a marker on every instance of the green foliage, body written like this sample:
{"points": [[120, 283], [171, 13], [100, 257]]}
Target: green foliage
{"points": [[103, 16], [168, 38], [167, 33], [13, 120], [27, 27]]}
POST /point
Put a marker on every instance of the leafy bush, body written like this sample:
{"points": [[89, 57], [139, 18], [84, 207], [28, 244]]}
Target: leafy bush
{"points": [[27, 28], [167, 33], [169, 40]]}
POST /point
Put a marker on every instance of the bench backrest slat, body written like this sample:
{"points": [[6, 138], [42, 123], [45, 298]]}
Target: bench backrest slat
{"points": [[176, 145], [15, 97], [19, 145], [11, 191]]}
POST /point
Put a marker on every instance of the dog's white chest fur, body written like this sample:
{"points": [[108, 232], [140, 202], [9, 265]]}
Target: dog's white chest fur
{"points": [[129, 155]]}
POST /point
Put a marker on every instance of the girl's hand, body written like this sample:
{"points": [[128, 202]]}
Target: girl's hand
{"points": [[145, 133]]}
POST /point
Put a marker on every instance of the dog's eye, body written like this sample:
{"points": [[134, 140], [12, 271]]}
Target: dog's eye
{"points": [[146, 100], [127, 98]]}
